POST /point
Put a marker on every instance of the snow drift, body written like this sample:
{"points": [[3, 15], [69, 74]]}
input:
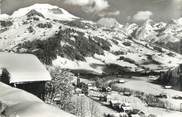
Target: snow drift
{"points": [[22, 104]]}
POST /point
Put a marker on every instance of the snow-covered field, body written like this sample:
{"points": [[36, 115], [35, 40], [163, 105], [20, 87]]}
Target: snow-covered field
{"points": [[154, 89], [148, 88], [90, 108], [136, 103]]}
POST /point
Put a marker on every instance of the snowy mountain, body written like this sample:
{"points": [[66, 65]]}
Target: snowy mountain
{"points": [[167, 35], [61, 39], [109, 22], [146, 32], [49, 11]]}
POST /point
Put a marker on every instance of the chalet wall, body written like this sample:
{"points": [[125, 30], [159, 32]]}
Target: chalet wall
{"points": [[36, 88]]}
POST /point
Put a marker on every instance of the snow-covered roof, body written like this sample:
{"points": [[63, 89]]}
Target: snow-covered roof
{"points": [[23, 67]]}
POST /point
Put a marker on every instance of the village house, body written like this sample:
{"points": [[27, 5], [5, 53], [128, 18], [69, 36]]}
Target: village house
{"points": [[24, 71]]}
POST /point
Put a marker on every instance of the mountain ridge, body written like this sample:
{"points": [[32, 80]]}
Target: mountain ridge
{"points": [[77, 44]]}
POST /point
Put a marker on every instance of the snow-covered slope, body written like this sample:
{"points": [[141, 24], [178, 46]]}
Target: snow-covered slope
{"points": [[167, 35], [27, 23], [78, 44], [4, 16], [49, 11], [22, 104]]}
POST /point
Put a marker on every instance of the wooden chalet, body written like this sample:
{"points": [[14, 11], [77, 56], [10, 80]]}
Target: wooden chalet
{"points": [[24, 71]]}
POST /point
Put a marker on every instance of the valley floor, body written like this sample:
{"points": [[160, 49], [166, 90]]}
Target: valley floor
{"points": [[139, 84]]}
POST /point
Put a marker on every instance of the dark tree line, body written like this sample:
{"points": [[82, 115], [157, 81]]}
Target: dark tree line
{"points": [[61, 44]]}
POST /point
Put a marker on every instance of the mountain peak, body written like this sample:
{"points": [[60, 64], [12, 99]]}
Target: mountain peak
{"points": [[148, 23], [109, 22], [178, 21], [47, 10]]}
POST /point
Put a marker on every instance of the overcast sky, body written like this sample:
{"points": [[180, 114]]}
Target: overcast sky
{"points": [[123, 10]]}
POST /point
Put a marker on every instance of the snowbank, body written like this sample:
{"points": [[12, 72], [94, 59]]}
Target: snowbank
{"points": [[23, 104]]}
